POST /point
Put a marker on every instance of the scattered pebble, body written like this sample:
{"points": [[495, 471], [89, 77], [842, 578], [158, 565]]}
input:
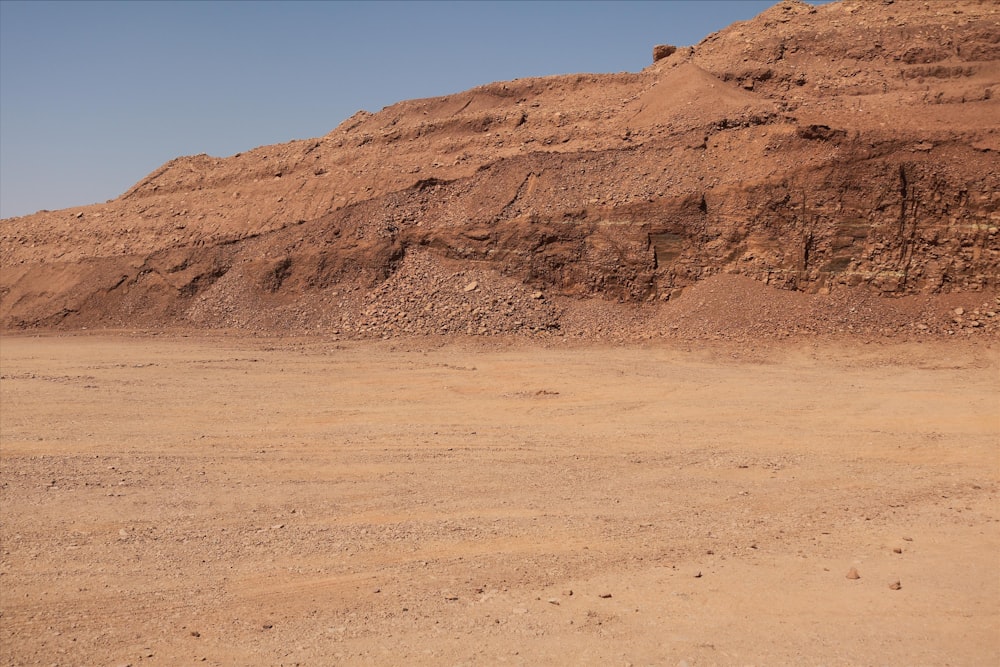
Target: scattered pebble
{"points": [[853, 574]]}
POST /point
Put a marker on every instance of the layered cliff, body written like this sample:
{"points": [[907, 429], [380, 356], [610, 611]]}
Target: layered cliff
{"points": [[846, 147]]}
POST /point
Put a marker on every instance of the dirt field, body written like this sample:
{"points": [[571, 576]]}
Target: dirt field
{"points": [[232, 501]]}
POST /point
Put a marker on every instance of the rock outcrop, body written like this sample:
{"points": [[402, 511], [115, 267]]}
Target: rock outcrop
{"points": [[816, 149]]}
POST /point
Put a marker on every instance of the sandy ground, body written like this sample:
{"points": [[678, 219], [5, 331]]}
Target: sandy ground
{"points": [[178, 500]]}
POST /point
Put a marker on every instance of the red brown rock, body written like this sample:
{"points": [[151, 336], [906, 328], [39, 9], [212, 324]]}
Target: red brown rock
{"points": [[661, 51], [842, 154]]}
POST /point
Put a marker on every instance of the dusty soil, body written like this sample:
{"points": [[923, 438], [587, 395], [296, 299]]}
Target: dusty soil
{"points": [[627, 368], [236, 500]]}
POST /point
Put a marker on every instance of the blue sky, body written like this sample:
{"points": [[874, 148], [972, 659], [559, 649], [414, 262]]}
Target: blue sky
{"points": [[95, 95]]}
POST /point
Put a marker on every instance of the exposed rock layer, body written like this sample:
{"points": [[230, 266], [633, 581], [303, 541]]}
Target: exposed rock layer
{"points": [[852, 145]]}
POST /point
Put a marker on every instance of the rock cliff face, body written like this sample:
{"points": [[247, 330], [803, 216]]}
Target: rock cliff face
{"points": [[815, 149]]}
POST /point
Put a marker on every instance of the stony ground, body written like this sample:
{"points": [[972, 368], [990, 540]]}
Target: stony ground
{"points": [[230, 500], [696, 365]]}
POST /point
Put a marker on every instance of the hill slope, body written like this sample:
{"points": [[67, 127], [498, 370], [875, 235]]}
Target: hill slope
{"points": [[844, 151]]}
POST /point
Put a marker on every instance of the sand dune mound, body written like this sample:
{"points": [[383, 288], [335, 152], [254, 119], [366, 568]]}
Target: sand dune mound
{"points": [[687, 95]]}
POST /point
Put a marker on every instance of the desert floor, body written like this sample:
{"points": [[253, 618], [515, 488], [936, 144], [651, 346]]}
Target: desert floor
{"points": [[219, 500]]}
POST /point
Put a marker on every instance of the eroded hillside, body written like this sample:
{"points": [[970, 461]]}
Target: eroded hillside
{"points": [[849, 148]]}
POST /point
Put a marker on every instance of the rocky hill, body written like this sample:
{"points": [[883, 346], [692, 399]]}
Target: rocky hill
{"points": [[845, 154]]}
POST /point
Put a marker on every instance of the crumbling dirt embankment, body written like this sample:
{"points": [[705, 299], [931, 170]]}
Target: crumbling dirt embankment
{"points": [[825, 161]]}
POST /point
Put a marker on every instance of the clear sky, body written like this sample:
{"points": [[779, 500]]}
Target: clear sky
{"points": [[95, 95]]}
